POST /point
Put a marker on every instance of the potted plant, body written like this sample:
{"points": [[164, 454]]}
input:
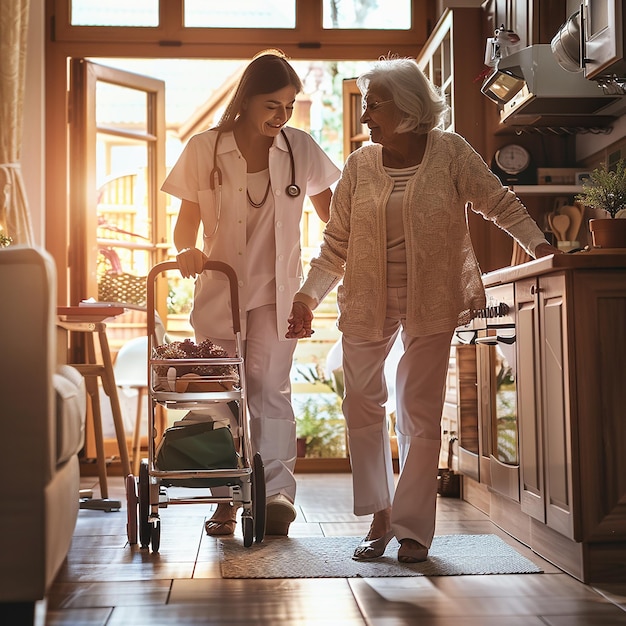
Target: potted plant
{"points": [[320, 428], [605, 190]]}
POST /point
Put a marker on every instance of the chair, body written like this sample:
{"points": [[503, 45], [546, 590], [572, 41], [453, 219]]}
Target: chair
{"points": [[42, 413], [131, 372]]}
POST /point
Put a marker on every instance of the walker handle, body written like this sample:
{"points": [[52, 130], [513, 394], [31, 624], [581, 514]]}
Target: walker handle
{"points": [[216, 266]]}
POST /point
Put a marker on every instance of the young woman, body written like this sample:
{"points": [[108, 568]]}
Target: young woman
{"points": [[245, 182]]}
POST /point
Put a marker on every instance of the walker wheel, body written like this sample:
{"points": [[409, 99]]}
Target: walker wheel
{"points": [[131, 509], [258, 497], [155, 538], [248, 530], [145, 530]]}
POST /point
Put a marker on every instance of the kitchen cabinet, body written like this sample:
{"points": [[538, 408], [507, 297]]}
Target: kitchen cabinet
{"points": [[544, 395], [571, 358], [534, 21], [453, 58], [603, 28]]}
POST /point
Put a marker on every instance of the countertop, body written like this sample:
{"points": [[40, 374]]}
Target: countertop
{"points": [[594, 258]]}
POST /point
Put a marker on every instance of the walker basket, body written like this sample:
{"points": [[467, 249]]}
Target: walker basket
{"points": [[186, 367]]}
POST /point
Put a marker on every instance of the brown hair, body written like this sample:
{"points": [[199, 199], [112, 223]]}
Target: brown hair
{"points": [[268, 71]]}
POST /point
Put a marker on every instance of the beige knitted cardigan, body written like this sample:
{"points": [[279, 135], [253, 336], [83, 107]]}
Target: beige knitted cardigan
{"points": [[443, 277]]}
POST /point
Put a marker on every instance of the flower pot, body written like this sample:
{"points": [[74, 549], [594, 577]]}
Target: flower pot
{"points": [[301, 446], [608, 233]]}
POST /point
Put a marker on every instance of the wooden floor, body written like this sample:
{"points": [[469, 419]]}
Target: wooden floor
{"points": [[107, 582]]}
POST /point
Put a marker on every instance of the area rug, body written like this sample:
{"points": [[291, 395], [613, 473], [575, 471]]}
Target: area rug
{"points": [[330, 557]]}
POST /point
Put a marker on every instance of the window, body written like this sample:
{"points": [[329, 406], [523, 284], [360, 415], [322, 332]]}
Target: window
{"points": [[240, 13], [348, 29], [115, 13], [370, 15]]}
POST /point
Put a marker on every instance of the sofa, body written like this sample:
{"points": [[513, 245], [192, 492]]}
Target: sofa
{"points": [[42, 413]]}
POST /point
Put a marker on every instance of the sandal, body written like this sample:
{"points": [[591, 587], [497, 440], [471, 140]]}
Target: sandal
{"points": [[219, 524], [216, 528]]}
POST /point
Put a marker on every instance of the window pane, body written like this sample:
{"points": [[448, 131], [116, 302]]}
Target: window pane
{"points": [[115, 13], [367, 14], [121, 107], [240, 13]]}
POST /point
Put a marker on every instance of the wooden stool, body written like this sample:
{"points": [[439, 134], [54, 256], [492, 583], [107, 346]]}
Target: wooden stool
{"points": [[86, 320]]}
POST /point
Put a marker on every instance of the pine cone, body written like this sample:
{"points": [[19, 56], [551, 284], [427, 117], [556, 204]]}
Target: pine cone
{"points": [[187, 349]]}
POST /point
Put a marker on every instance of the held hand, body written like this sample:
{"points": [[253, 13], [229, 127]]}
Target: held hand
{"points": [[299, 321], [544, 249], [191, 262]]}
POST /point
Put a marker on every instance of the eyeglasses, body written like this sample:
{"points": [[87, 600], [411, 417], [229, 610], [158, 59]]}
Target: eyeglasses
{"points": [[373, 106]]}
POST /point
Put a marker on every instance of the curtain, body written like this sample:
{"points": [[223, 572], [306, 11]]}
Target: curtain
{"points": [[15, 219]]}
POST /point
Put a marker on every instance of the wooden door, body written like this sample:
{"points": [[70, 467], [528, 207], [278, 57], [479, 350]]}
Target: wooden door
{"points": [[117, 163]]}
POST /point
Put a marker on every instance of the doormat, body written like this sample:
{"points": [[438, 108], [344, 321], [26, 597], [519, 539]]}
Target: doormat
{"points": [[331, 557]]}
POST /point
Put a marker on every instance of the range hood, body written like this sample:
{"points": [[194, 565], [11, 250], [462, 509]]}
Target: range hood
{"points": [[532, 89]]}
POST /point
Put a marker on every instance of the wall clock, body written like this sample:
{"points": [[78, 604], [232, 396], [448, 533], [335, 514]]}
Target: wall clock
{"points": [[513, 165]]}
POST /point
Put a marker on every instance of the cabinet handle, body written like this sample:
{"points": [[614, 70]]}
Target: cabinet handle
{"points": [[494, 340], [582, 23], [534, 290]]}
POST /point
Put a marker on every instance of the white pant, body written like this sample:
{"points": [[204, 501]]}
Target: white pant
{"points": [[267, 363], [420, 392]]}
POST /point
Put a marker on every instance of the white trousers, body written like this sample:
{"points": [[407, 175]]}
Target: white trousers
{"points": [[420, 392], [267, 363]]}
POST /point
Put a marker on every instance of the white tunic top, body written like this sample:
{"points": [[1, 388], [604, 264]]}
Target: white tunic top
{"points": [[190, 180]]}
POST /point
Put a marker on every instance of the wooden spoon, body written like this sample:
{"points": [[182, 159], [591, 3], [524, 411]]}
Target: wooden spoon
{"points": [[576, 218], [560, 224], [550, 217]]}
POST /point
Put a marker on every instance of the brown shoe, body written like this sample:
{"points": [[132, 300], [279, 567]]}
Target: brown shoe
{"points": [[280, 512]]}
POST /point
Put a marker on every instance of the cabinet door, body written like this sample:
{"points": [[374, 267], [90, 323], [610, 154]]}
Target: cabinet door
{"points": [[604, 36], [555, 405], [528, 399], [601, 398]]}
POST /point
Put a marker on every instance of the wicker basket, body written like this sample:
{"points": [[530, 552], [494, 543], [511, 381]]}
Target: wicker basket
{"points": [[193, 382], [122, 287], [449, 483]]}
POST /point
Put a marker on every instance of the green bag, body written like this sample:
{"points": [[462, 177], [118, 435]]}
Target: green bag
{"points": [[197, 447]]}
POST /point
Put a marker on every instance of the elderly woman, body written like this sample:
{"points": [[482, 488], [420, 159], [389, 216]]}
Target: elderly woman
{"points": [[398, 237]]}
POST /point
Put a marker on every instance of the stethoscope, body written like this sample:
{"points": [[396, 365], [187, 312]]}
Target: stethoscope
{"points": [[215, 182]]}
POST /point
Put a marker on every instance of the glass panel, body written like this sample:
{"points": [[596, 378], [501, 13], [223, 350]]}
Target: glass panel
{"points": [[115, 13], [367, 14], [124, 224], [122, 107], [506, 405], [240, 14]]}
